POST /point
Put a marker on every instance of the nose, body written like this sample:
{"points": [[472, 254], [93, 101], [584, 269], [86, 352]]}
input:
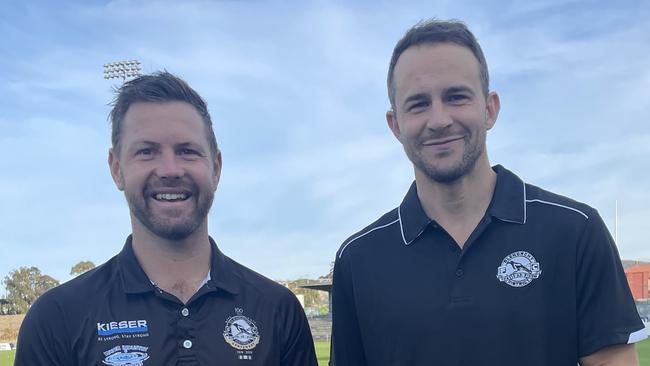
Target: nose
{"points": [[439, 117], [169, 166]]}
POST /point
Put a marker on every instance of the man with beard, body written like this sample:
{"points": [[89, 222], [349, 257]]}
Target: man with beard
{"points": [[475, 267], [170, 297]]}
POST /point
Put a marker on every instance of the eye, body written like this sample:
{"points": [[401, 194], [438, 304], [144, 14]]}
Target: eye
{"points": [[418, 106], [144, 152], [187, 151], [457, 98]]}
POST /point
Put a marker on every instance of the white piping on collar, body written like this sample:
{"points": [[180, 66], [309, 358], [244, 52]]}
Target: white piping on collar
{"points": [[401, 227], [525, 213], [366, 233], [524, 203]]}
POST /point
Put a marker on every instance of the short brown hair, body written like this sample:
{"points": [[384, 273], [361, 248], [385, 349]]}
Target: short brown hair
{"points": [[160, 86], [434, 31]]}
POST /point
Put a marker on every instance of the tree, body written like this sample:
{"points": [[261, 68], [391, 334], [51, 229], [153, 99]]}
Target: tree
{"points": [[312, 297], [24, 286], [81, 267], [4, 306]]}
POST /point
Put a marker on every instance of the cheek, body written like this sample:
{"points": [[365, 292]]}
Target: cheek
{"points": [[410, 128], [132, 180]]}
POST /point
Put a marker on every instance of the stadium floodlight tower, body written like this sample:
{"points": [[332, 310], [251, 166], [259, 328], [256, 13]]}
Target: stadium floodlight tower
{"points": [[122, 69]]}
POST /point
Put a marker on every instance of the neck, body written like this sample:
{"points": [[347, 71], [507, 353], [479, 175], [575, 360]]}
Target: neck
{"points": [[458, 206], [176, 266]]}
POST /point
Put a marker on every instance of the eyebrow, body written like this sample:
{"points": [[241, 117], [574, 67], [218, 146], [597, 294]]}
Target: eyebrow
{"points": [[190, 144], [141, 143], [457, 89]]}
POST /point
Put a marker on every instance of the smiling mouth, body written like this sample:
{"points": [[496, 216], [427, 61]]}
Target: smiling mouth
{"points": [[171, 197], [442, 141]]}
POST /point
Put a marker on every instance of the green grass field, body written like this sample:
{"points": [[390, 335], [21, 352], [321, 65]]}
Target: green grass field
{"points": [[323, 354], [643, 349], [7, 358]]}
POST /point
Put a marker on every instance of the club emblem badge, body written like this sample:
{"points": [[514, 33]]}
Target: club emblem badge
{"points": [[126, 355], [241, 332], [518, 269]]}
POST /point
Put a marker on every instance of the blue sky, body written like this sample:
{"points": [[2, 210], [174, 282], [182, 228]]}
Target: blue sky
{"points": [[297, 94]]}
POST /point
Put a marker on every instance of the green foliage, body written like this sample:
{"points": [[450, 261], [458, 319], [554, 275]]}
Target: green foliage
{"points": [[323, 309], [312, 297], [81, 267], [24, 286]]}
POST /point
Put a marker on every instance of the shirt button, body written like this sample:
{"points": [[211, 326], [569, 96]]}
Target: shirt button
{"points": [[187, 344], [459, 272], [185, 312]]}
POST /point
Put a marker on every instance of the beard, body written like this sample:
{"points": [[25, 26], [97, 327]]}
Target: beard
{"points": [[176, 224], [447, 173]]}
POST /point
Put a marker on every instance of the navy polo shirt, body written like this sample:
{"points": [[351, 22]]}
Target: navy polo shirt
{"points": [[113, 315], [538, 282]]}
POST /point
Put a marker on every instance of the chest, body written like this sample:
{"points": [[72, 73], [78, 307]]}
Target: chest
{"points": [[431, 294], [147, 329]]}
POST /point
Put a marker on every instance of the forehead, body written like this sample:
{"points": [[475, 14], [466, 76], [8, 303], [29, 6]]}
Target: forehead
{"points": [[163, 121], [440, 64]]}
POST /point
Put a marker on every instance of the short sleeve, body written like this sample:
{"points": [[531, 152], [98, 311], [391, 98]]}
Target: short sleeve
{"points": [[606, 311], [298, 344], [42, 339], [347, 346]]}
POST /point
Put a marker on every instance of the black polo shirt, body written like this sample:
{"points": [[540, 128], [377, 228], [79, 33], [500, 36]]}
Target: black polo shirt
{"points": [[538, 282], [113, 315]]}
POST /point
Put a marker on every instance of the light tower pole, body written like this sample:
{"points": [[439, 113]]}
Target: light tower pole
{"points": [[122, 69]]}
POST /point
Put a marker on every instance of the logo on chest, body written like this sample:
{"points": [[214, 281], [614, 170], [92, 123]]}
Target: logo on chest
{"points": [[125, 329], [518, 269], [130, 355], [241, 332], [125, 326]]}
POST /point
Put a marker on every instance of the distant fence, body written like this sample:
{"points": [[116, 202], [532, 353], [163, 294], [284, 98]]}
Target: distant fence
{"points": [[321, 328]]}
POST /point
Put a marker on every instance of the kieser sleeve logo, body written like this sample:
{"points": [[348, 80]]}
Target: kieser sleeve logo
{"points": [[518, 269], [126, 355], [125, 326], [241, 332]]}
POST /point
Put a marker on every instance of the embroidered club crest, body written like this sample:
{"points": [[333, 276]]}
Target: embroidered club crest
{"points": [[518, 269], [241, 332], [126, 355]]}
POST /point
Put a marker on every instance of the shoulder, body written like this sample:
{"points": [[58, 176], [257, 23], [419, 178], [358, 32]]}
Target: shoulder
{"points": [[255, 285], [71, 296], [388, 221], [544, 204]]}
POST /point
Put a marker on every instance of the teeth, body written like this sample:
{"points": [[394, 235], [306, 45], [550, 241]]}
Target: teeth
{"points": [[170, 196]]}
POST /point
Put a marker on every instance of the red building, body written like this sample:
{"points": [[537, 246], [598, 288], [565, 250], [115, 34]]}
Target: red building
{"points": [[638, 277]]}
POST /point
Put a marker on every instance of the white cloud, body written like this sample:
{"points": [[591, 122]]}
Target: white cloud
{"points": [[297, 93]]}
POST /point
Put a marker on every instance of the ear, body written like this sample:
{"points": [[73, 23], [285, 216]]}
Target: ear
{"points": [[391, 119], [216, 166], [114, 166], [492, 107]]}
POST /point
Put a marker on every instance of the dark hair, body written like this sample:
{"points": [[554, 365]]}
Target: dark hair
{"points": [[160, 86], [434, 31]]}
